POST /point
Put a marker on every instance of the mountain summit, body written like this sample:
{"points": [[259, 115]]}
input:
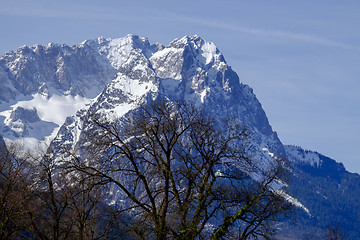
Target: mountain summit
{"points": [[49, 92], [54, 81], [189, 69]]}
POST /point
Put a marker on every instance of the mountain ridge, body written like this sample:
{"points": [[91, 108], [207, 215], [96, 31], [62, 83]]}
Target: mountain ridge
{"points": [[207, 81], [115, 76]]}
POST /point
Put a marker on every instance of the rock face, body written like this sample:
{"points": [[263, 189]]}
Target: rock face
{"points": [[189, 69], [42, 68], [124, 71], [40, 75], [50, 92], [2, 145], [20, 120], [24, 122], [26, 115]]}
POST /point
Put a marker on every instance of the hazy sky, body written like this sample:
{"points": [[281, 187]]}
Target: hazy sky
{"points": [[302, 58]]}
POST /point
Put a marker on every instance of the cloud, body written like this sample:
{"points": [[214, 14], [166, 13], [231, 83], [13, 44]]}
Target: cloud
{"points": [[129, 13], [303, 37]]}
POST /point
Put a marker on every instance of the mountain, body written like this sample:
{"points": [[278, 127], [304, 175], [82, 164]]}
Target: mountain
{"points": [[49, 93], [57, 80], [330, 193], [189, 69]]}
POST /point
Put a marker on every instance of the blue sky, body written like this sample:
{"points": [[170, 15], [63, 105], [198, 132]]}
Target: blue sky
{"points": [[302, 58]]}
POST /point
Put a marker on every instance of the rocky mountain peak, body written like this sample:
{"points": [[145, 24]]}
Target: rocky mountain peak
{"points": [[189, 69], [112, 77], [125, 70], [26, 115]]}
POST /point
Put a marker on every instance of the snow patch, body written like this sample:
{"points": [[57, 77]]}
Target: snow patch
{"points": [[56, 108], [293, 201], [296, 154], [209, 51], [268, 152], [51, 111], [132, 87]]}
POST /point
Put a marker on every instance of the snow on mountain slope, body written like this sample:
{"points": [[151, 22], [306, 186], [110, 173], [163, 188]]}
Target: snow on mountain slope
{"points": [[189, 69], [297, 154], [49, 92], [314, 162], [124, 93], [58, 80], [117, 50], [329, 192]]}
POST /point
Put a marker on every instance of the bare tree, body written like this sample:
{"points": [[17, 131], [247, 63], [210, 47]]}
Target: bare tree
{"points": [[259, 205], [179, 172], [67, 205], [90, 214], [15, 188], [49, 211], [41, 200]]}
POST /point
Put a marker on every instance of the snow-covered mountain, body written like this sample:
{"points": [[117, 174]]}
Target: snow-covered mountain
{"points": [[56, 81], [48, 93], [189, 69], [45, 84], [329, 192]]}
